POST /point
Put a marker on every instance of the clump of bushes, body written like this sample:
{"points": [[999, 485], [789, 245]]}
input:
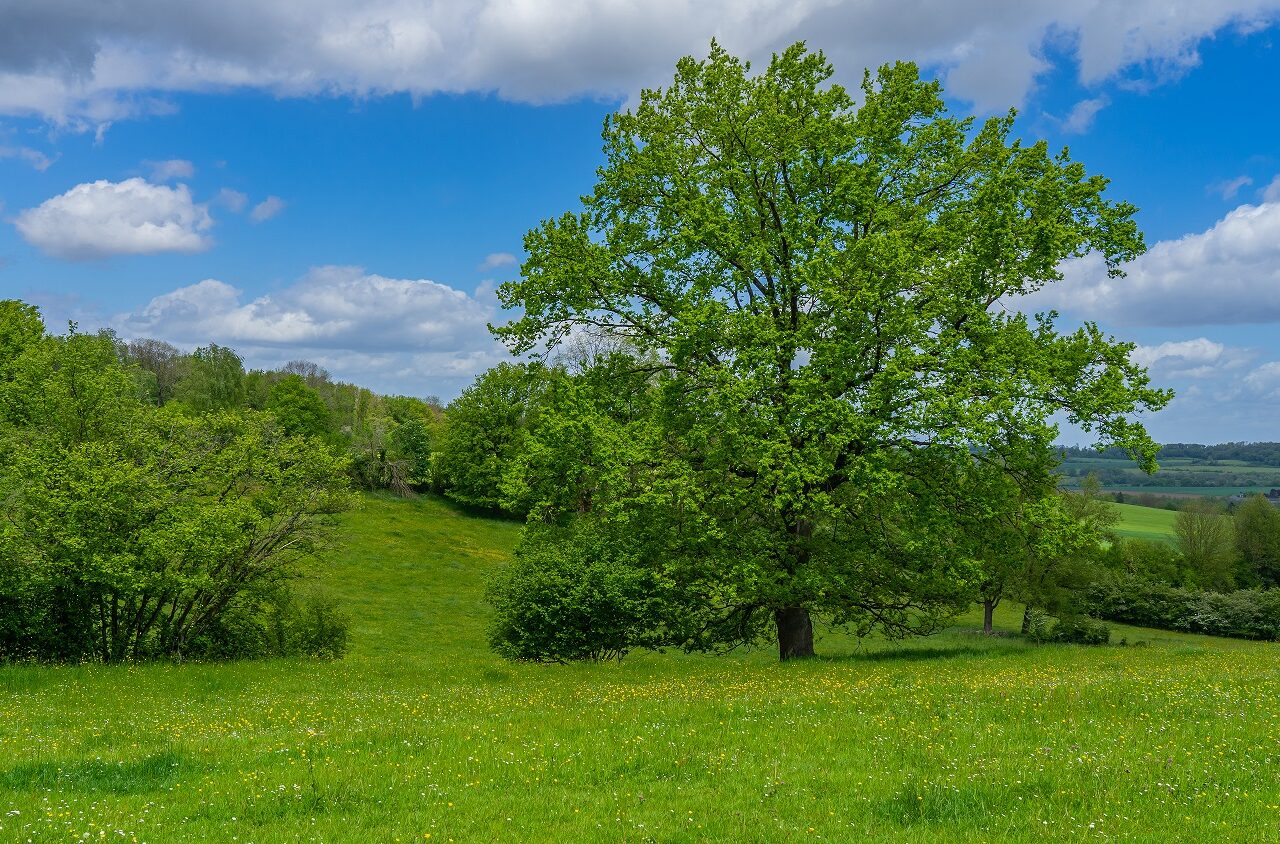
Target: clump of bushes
{"points": [[1242, 614], [280, 623]]}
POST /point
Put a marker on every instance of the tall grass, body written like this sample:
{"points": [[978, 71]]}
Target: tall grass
{"points": [[422, 735]]}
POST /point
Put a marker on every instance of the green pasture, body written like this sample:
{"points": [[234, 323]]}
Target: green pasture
{"points": [[1145, 522], [420, 734]]}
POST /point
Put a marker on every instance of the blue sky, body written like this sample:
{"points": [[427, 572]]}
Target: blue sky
{"points": [[346, 182]]}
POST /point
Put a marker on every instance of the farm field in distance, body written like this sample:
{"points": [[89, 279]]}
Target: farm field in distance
{"points": [[1177, 476], [421, 734]]}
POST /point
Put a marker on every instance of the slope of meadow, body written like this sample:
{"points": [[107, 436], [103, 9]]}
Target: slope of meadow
{"points": [[421, 735], [1145, 522]]}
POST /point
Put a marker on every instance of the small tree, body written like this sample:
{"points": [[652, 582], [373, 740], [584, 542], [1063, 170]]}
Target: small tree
{"points": [[1204, 533], [298, 407], [1257, 541], [484, 430], [214, 380]]}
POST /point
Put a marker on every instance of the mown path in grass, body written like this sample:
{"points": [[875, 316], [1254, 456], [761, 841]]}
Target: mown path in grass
{"points": [[422, 735]]}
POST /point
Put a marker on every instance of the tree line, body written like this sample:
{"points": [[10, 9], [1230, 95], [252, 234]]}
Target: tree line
{"points": [[1258, 454]]}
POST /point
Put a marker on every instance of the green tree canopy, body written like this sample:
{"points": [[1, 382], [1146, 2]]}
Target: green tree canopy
{"points": [[1257, 539], [485, 429], [819, 293], [298, 407], [213, 380], [1205, 536]]}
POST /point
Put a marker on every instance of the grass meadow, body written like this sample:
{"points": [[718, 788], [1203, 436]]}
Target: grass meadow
{"points": [[421, 734], [1145, 522]]}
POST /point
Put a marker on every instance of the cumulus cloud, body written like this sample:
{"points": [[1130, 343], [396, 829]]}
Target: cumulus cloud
{"points": [[340, 308], [494, 260], [174, 168], [1198, 358], [1081, 118], [1229, 274], [83, 60], [396, 335], [266, 209], [133, 217]]}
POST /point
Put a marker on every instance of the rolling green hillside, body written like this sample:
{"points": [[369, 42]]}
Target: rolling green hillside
{"points": [[420, 734], [1145, 522]]}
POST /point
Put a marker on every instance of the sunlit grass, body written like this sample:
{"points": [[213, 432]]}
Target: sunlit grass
{"points": [[422, 735], [1145, 522]]}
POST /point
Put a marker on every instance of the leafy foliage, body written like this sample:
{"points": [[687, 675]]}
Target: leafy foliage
{"points": [[1242, 614], [485, 430], [1257, 541], [807, 290], [1206, 541], [132, 532], [575, 594]]}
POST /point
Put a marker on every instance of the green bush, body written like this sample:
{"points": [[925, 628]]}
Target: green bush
{"points": [[276, 623], [569, 596], [1038, 624], [1080, 630]]}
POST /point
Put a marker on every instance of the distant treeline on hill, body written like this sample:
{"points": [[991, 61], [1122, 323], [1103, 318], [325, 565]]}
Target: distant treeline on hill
{"points": [[1262, 454]]}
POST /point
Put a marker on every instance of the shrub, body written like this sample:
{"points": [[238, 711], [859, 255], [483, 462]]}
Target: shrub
{"points": [[569, 595], [316, 628], [1037, 624], [1081, 630], [276, 623]]}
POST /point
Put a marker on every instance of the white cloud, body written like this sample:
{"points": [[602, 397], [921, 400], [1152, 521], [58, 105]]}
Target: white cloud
{"points": [[1227, 275], [1199, 358], [1081, 118], [34, 157], [498, 259], [93, 62], [266, 209], [1264, 382], [232, 200], [340, 308], [1228, 188], [133, 217], [395, 335], [174, 168], [1271, 193]]}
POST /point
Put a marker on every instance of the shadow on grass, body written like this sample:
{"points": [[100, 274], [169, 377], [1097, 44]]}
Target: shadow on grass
{"points": [[96, 776], [917, 653], [474, 511], [964, 805]]}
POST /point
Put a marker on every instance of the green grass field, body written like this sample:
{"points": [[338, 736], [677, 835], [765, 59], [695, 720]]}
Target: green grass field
{"points": [[1145, 522], [422, 735]]}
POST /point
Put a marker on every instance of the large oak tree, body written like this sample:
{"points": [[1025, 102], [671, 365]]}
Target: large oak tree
{"points": [[821, 288]]}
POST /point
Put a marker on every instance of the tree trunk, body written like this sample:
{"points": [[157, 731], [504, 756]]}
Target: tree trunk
{"points": [[1026, 619], [795, 632], [988, 609]]}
